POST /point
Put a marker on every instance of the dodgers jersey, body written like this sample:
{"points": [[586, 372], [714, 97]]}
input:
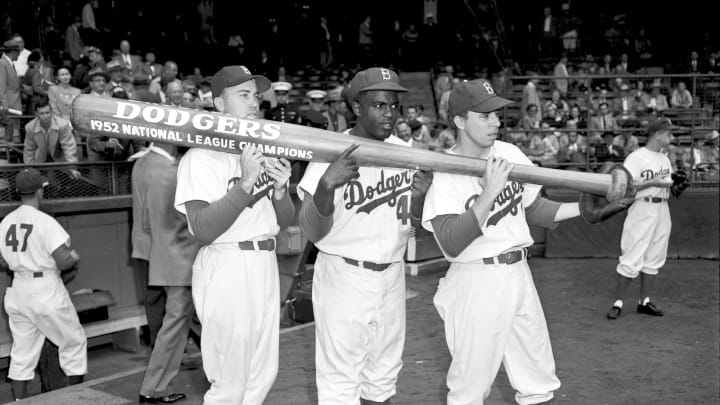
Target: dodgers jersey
{"points": [[207, 175], [505, 228], [30, 236], [644, 164], [371, 220]]}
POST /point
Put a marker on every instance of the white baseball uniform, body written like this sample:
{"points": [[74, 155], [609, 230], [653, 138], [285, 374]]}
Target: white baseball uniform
{"points": [[38, 304], [492, 311], [646, 231], [360, 312], [236, 292]]}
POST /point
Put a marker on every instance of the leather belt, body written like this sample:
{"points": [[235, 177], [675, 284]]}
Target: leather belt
{"points": [[367, 265], [38, 274], [267, 244], [653, 199], [506, 258]]}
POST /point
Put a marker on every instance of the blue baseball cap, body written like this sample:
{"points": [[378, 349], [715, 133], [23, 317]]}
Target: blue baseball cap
{"points": [[375, 78], [29, 181], [476, 95], [230, 76]]}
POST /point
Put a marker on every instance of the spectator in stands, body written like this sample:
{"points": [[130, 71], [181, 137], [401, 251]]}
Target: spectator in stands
{"points": [[681, 97], [549, 39], [132, 63], [536, 147], [576, 150], [174, 92], [656, 102], [420, 135], [118, 77], [713, 63], [37, 82], [402, 134], [190, 99], [324, 41], [607, 151], [694, 65], [169, 73], [530, 94], [424, 119], [10, 87], [531, 119], [560, 104], [315, 116], [643, 48], [561, 85], [444, 99], [96, 57], [49, 138], [365, 41], [445, 140], [641, 96], [621, 69], [73, 41], [150, 68], [575, 118], [602, 98], [336, 111], [21, 64], [62, 94], [444, 82], [568, 27], [604, 122], [625, 105], [553, 118], [627, 142]]}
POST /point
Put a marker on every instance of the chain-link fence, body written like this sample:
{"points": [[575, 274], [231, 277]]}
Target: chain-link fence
{"points": [[95, 179]]}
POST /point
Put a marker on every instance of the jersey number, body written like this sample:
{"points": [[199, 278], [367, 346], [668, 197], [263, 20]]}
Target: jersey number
{"points": [[403, 210], [12, 240]]}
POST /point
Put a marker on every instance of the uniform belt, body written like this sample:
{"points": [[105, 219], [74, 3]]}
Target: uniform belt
{"points": [[367, 265], [267, 244], [506, 258], [653, 199]]}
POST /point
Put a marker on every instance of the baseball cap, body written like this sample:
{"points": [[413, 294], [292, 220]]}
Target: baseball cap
{"points": [[230, 76], [281, 86], [29, 181], [660, 124], [375, 78], [476, 95]]}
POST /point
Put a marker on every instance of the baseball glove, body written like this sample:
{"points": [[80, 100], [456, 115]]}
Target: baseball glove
{"points": [[680, 183], [595, 209]]}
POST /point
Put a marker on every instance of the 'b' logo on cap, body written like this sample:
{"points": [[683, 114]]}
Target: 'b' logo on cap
{"points": [[385, 74], [488, 88], [246, 70]]}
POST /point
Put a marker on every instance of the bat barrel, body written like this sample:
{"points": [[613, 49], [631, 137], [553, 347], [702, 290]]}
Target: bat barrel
{"points": [[127, 119]]}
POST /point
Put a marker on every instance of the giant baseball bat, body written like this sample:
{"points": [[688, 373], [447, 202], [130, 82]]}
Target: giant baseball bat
{"points": [[212, 130]]}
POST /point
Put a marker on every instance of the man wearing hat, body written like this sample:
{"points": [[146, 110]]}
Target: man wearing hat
{"points": [[98, 82], [646, 231], [359, 279], [315, 116], [235, 206], [10, 87], [657, 101], [488, 301], [284, 111], [119, 78], [36, 250], [335, 114]]}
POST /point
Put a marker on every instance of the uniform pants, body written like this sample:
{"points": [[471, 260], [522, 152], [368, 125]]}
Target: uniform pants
{"points": [[359, 330], [236, 296], [170, 344], [493, 315], [645, 237], [38, 308]]}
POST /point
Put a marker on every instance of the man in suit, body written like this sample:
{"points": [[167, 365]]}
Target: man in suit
{"points": [[604, 122], [561, 70], [73, 42], [49, 138], [132, 63], [150, 68], [172, 253], [10, 87]]}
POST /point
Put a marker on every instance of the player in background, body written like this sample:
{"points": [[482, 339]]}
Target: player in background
{"points": [[235, 205], [646, 231], [359, 218], [487, 299], [37, 249]]}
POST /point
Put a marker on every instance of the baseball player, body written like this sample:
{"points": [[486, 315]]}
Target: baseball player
{"points": [[646, 231], [487, 299], [235, 205], [37, 249], [359, 218]]}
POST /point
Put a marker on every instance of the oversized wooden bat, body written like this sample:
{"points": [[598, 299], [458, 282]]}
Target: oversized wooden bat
{"points": [[212, 130]]}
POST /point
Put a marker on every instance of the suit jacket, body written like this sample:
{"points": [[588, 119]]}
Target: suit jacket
{"points": [[596, 122], [142, 171], [58, 142], [150, 73], [73, 42], [172, 247], [138, 75], [9, 85], [631, 105]]}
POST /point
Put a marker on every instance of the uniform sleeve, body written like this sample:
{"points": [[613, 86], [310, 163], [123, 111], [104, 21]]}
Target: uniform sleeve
{"points": [[53, 235], [311, 178], [633, 165], [199, 178], [443, 197]]}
